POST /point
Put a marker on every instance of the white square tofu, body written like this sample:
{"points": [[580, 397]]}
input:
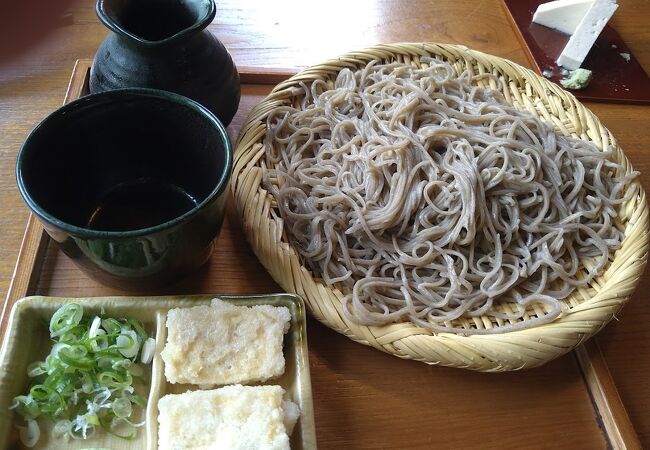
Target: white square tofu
{"points": [[225, 344], [588, 30], [230, 418]]}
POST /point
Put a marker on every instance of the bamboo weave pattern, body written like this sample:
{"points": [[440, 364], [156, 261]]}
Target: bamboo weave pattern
{"points": [[589, 309]]}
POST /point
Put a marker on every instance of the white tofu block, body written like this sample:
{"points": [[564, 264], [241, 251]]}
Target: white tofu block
{"points": [[225, 344], [586, 34], [234, 417], [562, 15]]}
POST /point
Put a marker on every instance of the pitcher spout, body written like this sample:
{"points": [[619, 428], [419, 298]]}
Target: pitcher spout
{"points": [[165, 44], [155, 22]]}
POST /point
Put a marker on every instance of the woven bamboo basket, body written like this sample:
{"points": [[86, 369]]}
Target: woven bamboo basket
{"points": [[586, 311]]}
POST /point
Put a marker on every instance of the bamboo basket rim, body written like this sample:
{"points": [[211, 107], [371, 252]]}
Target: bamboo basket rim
{"points": [[589, 310]]}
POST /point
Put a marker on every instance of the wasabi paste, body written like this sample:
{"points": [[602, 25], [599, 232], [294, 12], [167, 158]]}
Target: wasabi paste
{"points": [[576, 79]]}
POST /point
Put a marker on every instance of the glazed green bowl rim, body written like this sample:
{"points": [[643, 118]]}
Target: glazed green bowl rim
{"points": [[117, 95]]}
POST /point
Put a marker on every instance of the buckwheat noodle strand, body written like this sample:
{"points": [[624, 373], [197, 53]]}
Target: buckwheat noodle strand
{"points": [[425, 198]]}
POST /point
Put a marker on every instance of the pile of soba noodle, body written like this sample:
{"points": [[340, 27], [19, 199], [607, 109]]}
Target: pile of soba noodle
{"points": [[427, 199]]}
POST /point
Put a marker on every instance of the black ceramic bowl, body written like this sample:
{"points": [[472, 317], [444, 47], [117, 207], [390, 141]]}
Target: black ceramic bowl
{"points": [[131, 183]]}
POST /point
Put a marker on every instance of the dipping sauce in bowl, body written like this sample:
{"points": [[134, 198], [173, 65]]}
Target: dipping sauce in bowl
{"points": [[130, 183], [140, 203]]}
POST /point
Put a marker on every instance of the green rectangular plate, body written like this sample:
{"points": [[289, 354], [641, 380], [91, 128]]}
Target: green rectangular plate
{"points": [[27, 340]]}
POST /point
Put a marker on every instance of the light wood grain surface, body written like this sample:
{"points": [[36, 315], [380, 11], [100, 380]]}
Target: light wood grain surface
{"points": [[355, 400]]}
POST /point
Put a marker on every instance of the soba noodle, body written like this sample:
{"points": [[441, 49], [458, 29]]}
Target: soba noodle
{"points": [[425, 198]]}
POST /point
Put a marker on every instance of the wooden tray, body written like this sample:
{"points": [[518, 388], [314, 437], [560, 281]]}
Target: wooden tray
{"points": [[364, 399]]}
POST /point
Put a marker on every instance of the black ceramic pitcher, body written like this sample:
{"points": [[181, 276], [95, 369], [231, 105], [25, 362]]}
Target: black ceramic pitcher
{"points": [[163, 44]]}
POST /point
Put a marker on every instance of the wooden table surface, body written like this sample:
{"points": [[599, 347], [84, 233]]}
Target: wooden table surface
{"points": [[294, 34]]}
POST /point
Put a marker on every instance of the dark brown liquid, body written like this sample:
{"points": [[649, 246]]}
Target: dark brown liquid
{"points": [[139, 204], [155, 21]]}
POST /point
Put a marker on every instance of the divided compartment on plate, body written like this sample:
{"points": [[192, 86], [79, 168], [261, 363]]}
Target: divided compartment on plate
{"points": [[27, 340], [295, 380]]}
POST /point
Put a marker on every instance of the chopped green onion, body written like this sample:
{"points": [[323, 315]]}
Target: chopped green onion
{"points": [[99, 342], [56, 348], [94, 327], [92, 419], [30, 434], [148, 350], [61, 428], [107, 358], [115, 380], [137, 326], [138, 400], [26, 406], [122, 407], [128, 343], [86, 381], [121, 428], [112, 326], [76, 356], [36, 368], [65, 319]]}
